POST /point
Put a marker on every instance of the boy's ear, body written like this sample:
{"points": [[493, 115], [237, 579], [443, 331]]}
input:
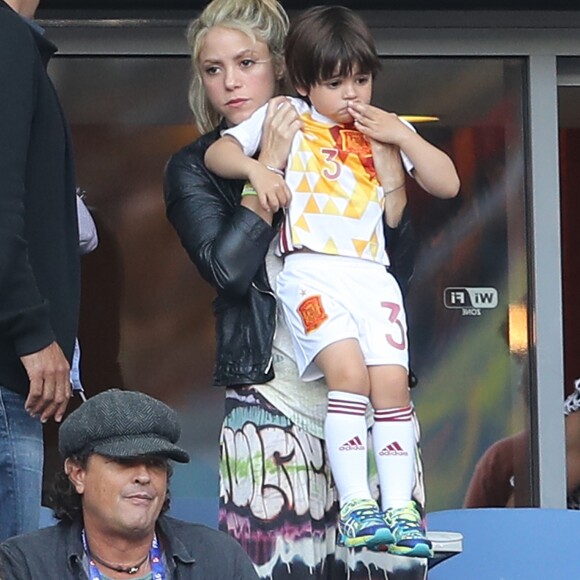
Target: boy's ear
{"points": [[302, 91]]}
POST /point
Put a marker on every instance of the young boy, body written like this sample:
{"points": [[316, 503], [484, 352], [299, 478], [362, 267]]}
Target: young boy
{"points": [[343, 307]]}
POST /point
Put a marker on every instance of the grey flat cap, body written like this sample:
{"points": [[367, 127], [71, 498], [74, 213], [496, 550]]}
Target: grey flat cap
{"points": [[122, 424]]}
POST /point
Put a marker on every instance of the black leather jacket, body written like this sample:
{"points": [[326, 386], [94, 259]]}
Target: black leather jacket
{"points": [[228, 244]]}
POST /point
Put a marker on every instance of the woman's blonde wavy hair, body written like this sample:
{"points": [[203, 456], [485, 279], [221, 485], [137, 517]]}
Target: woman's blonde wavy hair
{"points": [[264, 20]]}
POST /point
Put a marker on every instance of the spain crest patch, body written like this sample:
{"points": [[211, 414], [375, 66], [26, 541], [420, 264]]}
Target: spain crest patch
{"points": [[312, 313]]}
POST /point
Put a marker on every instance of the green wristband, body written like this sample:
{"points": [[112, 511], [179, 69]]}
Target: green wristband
{"points": [[248, 190]]}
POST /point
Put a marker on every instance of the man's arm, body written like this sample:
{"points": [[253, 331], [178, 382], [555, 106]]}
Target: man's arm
{"points": [[572, 425], [23, 311], [490, 484]]}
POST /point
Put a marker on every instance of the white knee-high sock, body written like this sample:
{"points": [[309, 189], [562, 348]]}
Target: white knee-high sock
{"points": [[394, 449], [345, 431]]}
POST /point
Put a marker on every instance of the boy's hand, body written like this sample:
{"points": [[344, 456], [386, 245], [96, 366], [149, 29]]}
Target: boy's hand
{"points": [[432, 168], [378, 124], [273, 193]]}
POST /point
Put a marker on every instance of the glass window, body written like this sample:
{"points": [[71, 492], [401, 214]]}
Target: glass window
{"points": [[467, 301], [569, 143], [147, 322]]}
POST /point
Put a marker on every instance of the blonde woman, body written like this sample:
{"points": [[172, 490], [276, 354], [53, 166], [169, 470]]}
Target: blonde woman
{"points": [[277, 496]]}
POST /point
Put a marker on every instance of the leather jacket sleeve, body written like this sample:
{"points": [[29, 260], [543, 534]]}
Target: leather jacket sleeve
{"points": [[402, 246], [227, 242]]}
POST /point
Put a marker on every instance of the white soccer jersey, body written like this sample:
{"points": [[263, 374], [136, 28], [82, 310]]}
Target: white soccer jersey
{"points": [[337, 202]]}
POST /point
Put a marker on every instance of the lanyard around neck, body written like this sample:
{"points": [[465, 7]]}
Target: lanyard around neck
{"points": [[155, 557]]}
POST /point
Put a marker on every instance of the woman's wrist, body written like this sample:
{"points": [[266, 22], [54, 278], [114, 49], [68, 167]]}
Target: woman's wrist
{"points": [[275, 170], [271, 161], [386, 191]]}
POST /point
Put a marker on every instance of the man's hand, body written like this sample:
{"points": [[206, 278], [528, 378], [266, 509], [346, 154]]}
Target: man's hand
{"points": [[50, 390]]}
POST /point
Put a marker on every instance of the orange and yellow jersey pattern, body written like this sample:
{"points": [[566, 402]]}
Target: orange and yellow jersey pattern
{"points": [[337, 202]]}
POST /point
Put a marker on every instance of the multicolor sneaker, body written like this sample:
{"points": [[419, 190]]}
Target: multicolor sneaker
{"points": [[361, 523], [409, 532]]}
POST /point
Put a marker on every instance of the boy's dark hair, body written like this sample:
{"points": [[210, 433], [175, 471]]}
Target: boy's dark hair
{"points": [[328, 41]]}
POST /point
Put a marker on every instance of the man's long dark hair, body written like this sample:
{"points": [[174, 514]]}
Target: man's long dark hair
{"points": [[66, 503]]}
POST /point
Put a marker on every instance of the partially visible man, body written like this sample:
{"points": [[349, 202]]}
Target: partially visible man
{"points": [[507, 461], [111, 497], [39, 262]]}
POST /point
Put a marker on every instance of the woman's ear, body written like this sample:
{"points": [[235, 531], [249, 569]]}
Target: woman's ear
{"points": [[280, 70]]}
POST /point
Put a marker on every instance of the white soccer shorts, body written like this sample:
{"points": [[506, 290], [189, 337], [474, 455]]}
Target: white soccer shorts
{"points": [[330, 298]]}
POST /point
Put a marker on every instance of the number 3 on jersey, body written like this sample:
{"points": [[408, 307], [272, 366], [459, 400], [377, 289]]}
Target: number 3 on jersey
{"points": [[332, 169]]}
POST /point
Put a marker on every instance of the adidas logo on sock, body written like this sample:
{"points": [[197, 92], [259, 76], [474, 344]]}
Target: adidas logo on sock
{"points": [[393, 448], [355, 444]]}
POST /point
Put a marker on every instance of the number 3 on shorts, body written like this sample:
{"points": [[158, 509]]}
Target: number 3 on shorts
{"points": [[394, 311]]}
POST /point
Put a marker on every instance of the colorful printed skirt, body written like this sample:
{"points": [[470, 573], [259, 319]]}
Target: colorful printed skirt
{"points": [[278, 499]]}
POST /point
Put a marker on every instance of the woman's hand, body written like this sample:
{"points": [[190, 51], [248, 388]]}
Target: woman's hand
{"points": [[391, 176], [281, 124], [388, 164]]}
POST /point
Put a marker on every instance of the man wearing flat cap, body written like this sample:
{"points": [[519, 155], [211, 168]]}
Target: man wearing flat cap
{"points": [[110, 498]]}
